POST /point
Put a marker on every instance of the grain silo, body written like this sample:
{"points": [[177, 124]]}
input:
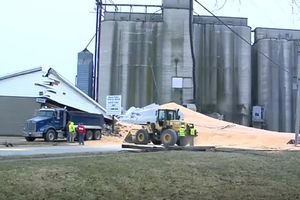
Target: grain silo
{"points": [[145, 57], [276, 62], [223, 67], [84, 78]]}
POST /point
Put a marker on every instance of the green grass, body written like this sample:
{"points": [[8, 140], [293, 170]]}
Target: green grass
{"points": [[158, 175]]}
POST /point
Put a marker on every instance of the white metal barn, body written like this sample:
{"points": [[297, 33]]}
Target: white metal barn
{"points": [[22, 93]]}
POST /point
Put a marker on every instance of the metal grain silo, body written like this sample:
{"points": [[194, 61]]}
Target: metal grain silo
{"points": [[128, 57], [141, 53], [276, 64], [223, 68], [174, 54], [138, 81], [275, 81], [84, 79]]}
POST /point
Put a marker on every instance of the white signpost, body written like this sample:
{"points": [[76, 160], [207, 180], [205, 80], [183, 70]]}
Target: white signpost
{"points": [[113, 107]]}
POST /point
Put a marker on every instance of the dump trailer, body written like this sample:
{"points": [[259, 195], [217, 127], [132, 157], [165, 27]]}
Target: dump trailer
{"points": [[163, 131], [50, 124]]}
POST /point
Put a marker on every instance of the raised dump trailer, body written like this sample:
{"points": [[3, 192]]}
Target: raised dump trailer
{"points": [[50, 124]]}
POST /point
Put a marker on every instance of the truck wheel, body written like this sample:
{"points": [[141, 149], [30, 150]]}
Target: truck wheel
{"points": [[142, 137], [50, 135], [168, 137], [89, 135], [29, 139], [97, 135]]}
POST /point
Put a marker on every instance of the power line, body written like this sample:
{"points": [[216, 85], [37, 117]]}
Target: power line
{"points": [[243, 39], [192, 48]]}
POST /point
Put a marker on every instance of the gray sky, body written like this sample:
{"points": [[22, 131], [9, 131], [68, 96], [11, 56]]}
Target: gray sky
{"points": [[51, 33]]}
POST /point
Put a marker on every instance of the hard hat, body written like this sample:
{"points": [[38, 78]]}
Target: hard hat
{"points": [[182, 126]]}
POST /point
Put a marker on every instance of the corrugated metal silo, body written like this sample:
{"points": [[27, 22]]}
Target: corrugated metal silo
{"points": [[128, 59], [142, 52], [276, 63], [174, 54], [223, 68], [84, 80]]}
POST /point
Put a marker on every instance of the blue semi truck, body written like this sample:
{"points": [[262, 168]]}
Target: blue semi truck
{"points": [[50, 124]]}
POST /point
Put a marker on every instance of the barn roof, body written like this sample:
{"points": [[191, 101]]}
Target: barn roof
{"points": [[50, 85]]}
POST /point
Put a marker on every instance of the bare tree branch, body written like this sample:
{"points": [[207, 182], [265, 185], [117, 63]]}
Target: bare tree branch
{"points": [[222, 6]]}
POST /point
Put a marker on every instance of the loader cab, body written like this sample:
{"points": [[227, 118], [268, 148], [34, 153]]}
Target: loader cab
{"points": [[164, 115]]}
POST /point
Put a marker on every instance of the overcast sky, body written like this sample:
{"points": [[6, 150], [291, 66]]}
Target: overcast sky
{"points": [[51, 33]]}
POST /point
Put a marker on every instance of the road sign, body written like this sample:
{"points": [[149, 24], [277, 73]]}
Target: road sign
{"points": [[40, 100], [113, 105]]}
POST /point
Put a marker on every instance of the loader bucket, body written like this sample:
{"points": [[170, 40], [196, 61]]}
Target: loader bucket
{"points": [[129, 138]]}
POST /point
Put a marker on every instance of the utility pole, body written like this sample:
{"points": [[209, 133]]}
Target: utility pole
{"points": [[297, 122], [97, 49], [191, 9]]}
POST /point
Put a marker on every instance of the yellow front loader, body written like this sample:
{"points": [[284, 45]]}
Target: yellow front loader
{"points": [[163, 131]]}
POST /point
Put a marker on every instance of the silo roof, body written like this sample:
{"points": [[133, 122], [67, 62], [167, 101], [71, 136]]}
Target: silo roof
{"points": [[275, 33]]}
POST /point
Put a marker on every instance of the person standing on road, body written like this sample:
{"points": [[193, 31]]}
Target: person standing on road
{"points": [[68, 131], [193, 134], [81, 132], [181, 134], [72, 132]]}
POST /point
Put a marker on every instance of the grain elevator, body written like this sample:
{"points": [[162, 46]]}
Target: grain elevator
{"points": [[146, 56]]}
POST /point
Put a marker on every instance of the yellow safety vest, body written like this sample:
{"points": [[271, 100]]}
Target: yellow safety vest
{"points": [[71, 127], [181, 132], [193, 132]]}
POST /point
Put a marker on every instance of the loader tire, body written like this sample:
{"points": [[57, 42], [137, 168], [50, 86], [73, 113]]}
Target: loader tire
{"points": [[142, 137], [168, 137]]}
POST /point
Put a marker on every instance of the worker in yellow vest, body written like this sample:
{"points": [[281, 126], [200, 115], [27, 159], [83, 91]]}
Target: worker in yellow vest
{"points": [[71, 132], [192, 133], [181, 131], [181, 134]]}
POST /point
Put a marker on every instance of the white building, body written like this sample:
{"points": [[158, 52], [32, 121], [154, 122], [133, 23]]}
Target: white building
{"points": [[22, 93]]}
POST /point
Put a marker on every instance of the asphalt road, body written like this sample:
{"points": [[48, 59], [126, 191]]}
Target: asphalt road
{"points": [[55, 150]]}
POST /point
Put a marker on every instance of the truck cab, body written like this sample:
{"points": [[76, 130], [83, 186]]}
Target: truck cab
{"points": [[48, 124]]}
